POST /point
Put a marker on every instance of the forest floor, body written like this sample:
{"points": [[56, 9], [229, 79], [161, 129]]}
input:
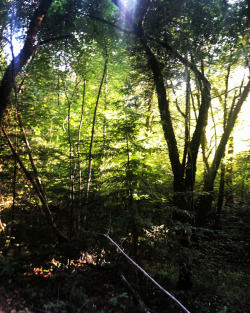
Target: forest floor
{"points": [[220, 285]]}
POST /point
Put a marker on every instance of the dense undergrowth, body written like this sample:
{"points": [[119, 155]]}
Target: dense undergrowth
{"points": [[36, 275]]}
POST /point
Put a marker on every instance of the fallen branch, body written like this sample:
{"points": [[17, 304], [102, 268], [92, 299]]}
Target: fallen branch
{"points": [[145, 273]]}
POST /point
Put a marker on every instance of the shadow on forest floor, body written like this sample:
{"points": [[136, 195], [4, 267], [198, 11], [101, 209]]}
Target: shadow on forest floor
{"points": [[220, 278]]}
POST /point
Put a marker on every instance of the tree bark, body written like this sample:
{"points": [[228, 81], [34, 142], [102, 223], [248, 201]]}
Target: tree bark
{"points": [[163, 102], [18, 62]]}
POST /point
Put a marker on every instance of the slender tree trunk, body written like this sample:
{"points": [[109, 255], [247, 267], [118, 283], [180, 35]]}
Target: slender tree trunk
{"points": [[187, 120], [13, 210], [79, 158], [221, 190], [223, 166], [130, 199], [71, 171], [72, 166], [93, 132], [34, 169], [205, 201], [224, 139], [104, 134], [43, 200], [229, 172]]}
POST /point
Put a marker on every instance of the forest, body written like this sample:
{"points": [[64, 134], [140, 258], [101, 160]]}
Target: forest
{"points": [[124, 156]]}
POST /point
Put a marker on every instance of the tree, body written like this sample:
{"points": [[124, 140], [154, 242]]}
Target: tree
{"points": [[184, 176], [149, 128]]}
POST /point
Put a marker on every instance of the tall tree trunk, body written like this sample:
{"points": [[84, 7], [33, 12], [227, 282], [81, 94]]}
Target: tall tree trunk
{"points": [[180, 184], [223, 166], [187, 119], [18, 62], [13, 210], [163, 102], [72, 166], [71, 170], [198, 136], [130, 199], [79, 140], [79, 158]]}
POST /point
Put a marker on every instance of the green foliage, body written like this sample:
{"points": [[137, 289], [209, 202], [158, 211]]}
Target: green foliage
{"points": [[131, 194]]}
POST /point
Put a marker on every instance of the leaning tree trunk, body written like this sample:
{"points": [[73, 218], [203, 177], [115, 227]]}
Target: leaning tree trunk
{"points": [[163, 102], [37, 188], [18, 62]]}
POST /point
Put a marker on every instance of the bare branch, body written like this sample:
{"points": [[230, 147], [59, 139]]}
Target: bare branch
{"points": [[145, 273], [185, 62], [227, 92]]}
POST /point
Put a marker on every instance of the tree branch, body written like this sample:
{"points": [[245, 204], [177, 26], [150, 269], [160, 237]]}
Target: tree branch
{"points": [[42, 42], [111, 24], [184, 61], [145, 273]]}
